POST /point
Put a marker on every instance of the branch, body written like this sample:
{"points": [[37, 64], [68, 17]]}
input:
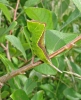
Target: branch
{"points": [[66, 47], [21, 70]]}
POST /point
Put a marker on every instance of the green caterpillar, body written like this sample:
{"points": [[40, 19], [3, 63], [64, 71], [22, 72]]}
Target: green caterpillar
{"points": [[37, 37]]}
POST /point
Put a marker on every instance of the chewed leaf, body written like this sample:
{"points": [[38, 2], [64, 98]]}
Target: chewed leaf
{"points": [[16, 43]]}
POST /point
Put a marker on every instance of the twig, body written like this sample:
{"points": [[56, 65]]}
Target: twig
{"points": [[15, 11], [72, 73], [14, 73], [68, 63], [2, 45], [6, 49]]}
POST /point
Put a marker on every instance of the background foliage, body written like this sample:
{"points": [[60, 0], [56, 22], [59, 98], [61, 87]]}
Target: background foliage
{"points": [[62, 19]]}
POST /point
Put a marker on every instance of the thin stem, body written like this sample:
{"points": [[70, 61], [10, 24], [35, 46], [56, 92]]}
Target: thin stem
{"points": [[15, 11], [7, 51], [72, 73], [3, 46]]}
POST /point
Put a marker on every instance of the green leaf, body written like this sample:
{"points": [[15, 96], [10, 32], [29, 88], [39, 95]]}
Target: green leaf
{"points": [[29, 3], [47, 69], [19, 95], [46, 16], [2, 30], [78, 4], [71, 94], [4, 94], [18, 81], [78, 50], [55, 20], [76, 68], [15, 60], [57, 39], [47, 87], [7, 63], [63, 7], [5, 11], [29, 85], [38, 96], [23, 78], [6, 30], [27, 36], [11, 27], [74, 15], [4, 2], [17, 43]]}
